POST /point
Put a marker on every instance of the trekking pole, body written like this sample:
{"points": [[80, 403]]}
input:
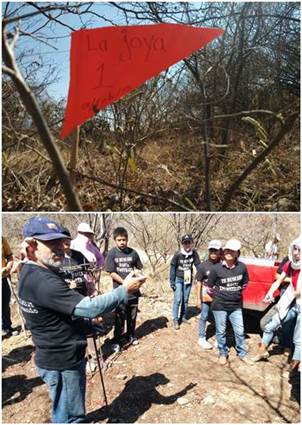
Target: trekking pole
{"points": [[100, 369]]}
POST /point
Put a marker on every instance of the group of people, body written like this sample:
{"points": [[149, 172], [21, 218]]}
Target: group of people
{"points": [[59, 295], [220, 281], [59, 299]]}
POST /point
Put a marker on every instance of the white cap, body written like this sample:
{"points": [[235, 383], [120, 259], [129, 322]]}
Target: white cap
{"points": [[85, 228], [215, 244], [233, 245]]}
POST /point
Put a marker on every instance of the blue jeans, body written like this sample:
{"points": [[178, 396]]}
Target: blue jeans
{"points": [[275, 322], [181, 299], [205, 308], [67, 393], [297, 338], [236, 319]]}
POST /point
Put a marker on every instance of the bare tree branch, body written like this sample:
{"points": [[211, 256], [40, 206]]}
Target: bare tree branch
{"points": [[33, 109], [136, 192], [235, 185]]}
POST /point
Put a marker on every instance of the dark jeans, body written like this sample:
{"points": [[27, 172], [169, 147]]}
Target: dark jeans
{"points": [[67, 393], [6, 294], [125, 313]]}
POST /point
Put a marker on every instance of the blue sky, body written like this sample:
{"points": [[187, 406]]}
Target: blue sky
{"points": [[55, 50], [57, 37]]}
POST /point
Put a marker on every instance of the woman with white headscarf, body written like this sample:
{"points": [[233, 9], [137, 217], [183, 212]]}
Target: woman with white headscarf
{"points": [[288, 307]]}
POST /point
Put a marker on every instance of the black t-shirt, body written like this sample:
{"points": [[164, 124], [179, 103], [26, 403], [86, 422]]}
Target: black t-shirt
{"points": [[227, 284], [47, 304], [73, 270], [203, 271], [183, 263], [123, 262]]}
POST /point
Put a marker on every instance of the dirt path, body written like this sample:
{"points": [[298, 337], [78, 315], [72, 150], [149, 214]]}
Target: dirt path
{"points": [[167, 378]]}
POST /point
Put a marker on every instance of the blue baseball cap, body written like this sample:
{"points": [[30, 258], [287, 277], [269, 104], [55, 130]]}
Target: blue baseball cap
{"points": [[41, 228], [187, 238]]}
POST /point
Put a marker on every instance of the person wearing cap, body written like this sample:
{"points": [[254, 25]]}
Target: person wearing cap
{"points": [[84, 243], [181, 277], [203, 271], [288, 307], [226, 282], [58, 317]]}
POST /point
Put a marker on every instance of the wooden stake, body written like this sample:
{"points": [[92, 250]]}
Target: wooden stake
{"points": [[74, 152]]}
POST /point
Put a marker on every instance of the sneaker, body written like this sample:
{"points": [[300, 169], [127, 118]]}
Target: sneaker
{"points": [[246, 360], [175, 324], [222, 361], [204, 344], [185, 321], [133, 340], [276, 340], [10, 332], [260, 356], [116, 348], [91, 365]]}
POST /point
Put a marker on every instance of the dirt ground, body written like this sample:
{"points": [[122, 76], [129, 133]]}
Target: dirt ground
{"points": [[167, 378]]}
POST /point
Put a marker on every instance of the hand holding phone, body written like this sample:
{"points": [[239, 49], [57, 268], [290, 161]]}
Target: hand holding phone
{"points": [[133, 282], [268, 298]]}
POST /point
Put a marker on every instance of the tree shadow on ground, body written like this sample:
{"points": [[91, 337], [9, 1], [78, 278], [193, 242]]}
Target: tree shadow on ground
{"points": [[18, 355], [137, 398], [275, 408], [295, 391], [144, 329], [151, 325], [16, 388], [192, 311]]}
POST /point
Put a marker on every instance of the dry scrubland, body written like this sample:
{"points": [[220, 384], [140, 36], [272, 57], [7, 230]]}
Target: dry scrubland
{"points": [[169, 168]]}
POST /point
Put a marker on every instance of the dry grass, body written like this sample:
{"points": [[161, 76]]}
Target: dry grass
{"points": [[170, 168]]}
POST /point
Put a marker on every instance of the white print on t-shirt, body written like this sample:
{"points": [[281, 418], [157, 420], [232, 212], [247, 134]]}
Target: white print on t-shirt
{"points": [[123, 259], [185, 264], [123, 264], [28, 307], [229, 289], [232, 279]]}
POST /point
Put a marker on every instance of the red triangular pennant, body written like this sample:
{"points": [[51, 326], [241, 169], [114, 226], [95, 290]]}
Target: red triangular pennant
{"points": [[107, 63]]}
